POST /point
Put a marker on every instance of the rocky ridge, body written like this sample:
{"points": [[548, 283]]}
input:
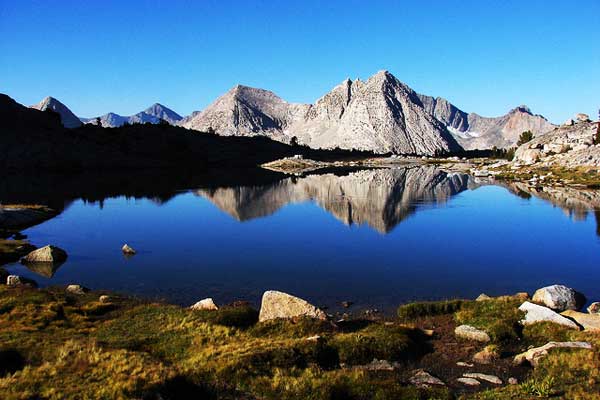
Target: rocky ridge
{"points": [[153, 114], [67, 118]]}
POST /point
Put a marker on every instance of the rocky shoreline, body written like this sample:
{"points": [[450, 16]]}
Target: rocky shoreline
{"points": [[504, 347]]}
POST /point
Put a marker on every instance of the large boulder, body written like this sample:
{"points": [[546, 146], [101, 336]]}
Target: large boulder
{"points": [[469, 332], [536, 313], [589, 322], [528, 156], [77, 289], [533, 356], [282, 305], [46, 254], [559, 298], [594, 308]]}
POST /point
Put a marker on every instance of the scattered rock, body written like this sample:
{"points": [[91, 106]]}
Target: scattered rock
{"points": [[488, 355], [471, 333], [484, 377], [512, 381], [77, 289], [48, 254], [205, 304], [559, 298], [314, 338], [423, 378], [483, 297], [581, 117], [277, 304], [105, 299], [126, 249], [594, 308], [536, 313], [464, 364], [468, 381], [347, 304], [16, 280], [589, 322], [534, 355], [377, 365]]}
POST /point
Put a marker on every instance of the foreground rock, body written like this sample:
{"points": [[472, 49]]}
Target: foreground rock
{"points": [[536, 313], [594, 308], [559, 298], [533, 356], [205, 304], [277, 304], [422, 378], [471, 333], [589, 322], [484, 377], [468, 381], [77, 289], [488, 355], [49, 254]]}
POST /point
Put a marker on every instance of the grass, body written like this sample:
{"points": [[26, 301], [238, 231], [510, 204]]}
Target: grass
{"points": [[55, 345]]}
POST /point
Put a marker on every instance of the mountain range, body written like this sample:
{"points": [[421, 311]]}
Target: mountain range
{"points": [[153, 114], [380, 115]]}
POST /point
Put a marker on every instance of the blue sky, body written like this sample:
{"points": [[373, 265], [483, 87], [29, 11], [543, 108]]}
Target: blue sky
{"points": [[122, 56]]}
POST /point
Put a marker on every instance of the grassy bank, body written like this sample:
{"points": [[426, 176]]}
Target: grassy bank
{"points": [[54, 344]]}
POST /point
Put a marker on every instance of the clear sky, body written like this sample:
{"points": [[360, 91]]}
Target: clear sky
{"points": [[122, 56]]}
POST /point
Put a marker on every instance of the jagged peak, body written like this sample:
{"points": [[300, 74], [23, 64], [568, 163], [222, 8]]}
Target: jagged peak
{"points": [[522, 108]]}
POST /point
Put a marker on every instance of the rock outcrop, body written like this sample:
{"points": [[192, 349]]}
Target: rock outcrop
{"points": [[380, 115], [589, 322], [568, 146], [67, 118], [471, 333], [277, 304], [535, 313], [533, 356], [46, 254], [205, 304], [559, 298]]}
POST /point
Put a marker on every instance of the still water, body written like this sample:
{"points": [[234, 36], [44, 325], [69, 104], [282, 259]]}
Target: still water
{"points": [[377, 238]]}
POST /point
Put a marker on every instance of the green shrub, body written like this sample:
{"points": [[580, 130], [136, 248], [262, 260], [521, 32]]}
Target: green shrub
{"points": [[407, 312]]}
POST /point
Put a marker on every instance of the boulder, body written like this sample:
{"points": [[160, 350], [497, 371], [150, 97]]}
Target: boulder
{"points": [[484, 377], [513, 381], [533, 356], [105, 299], [530, 156], [77, 289], [277, 304], [594, 308], [471, 333], [483, 297], [488, 355], [16, 280], [464, 364], [536, 313], [559, 298], [589, 322], [581, 117], [205, 304], [468, 381], [126, 249], [46, 254], [422, 378]]}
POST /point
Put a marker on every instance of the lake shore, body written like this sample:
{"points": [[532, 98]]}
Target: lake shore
{"points": [[70, 343]]}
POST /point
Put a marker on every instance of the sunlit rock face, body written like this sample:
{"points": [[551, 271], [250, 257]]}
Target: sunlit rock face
{"points": [[380, 115], [67, 118], [379, 198]]}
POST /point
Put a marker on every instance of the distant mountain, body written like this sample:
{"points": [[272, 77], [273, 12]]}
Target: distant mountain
{"points": [[380, 115], [67, 118], [152, 114], [473, 131]]}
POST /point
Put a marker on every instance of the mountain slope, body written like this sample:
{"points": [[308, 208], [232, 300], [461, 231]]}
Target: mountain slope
{"points": [[67, 118], [380, 115], [473, 131]]}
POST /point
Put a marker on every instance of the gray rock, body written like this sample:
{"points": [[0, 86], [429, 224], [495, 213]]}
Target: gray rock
{"points": [[483, 297], [471, 333], [422, 378], [468, 381], [559, 298], [205, 304], [589, 322], [126, 249], [77, 289], [536, 313], [464, 364], [46, 254], [105, 299], [534, 355], [513, 381], [277, 304], [377, 365], [484, 377], [594, 308]]}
